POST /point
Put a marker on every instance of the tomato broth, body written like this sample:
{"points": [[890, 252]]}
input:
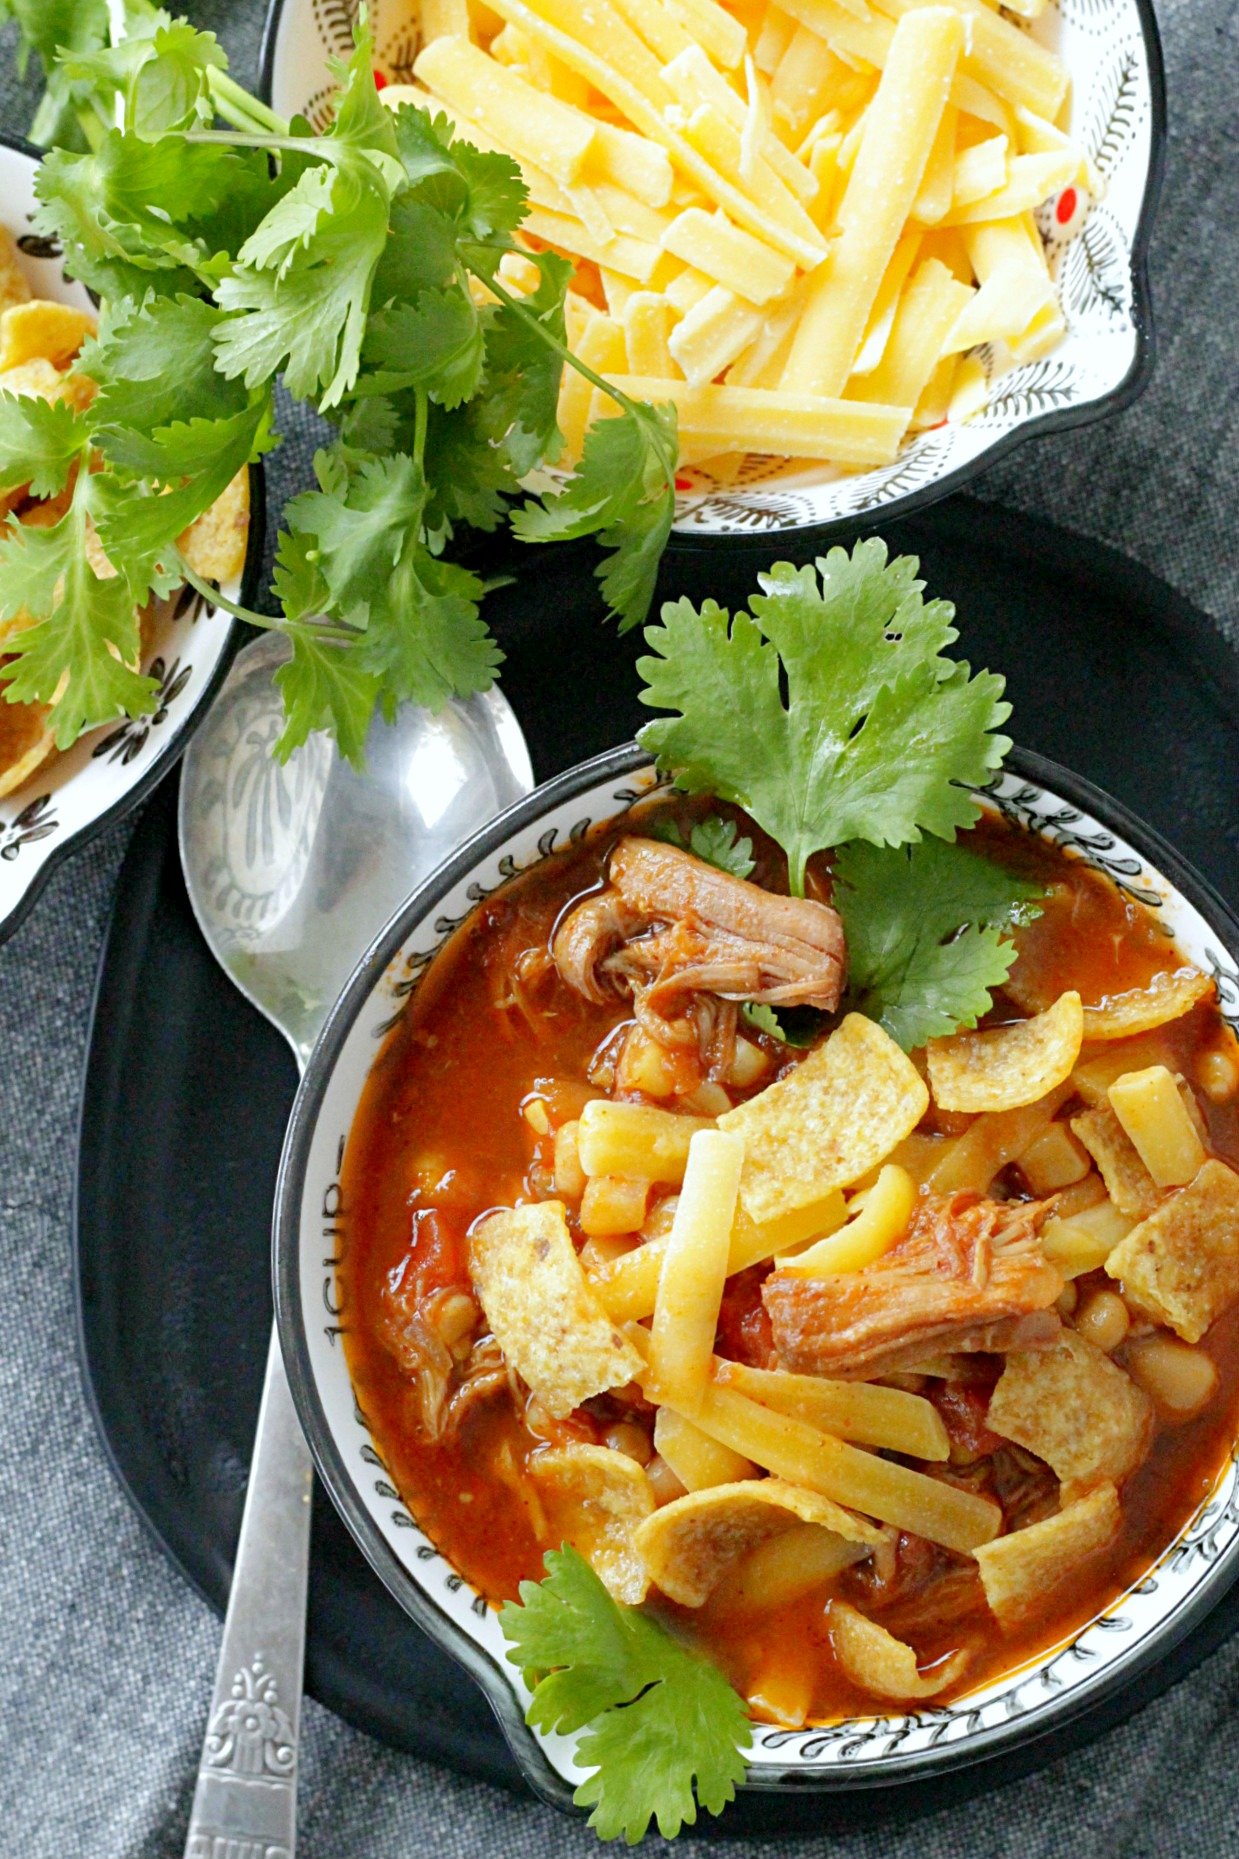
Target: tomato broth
{"points": [[443, 1135]]}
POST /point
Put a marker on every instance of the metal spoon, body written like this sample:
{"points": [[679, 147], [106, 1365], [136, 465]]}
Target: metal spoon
{"points": [[292, 870]]}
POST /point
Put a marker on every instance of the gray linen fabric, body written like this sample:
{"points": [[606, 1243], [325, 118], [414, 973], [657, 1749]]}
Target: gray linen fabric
{"points": [[106, 1656]]}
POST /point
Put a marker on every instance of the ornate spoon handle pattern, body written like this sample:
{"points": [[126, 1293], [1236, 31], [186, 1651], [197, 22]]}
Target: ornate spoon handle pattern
{"points": [[245, 1802]]}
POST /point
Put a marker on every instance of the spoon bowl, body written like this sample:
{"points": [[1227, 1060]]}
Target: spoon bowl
{"points": [[293, 867]]}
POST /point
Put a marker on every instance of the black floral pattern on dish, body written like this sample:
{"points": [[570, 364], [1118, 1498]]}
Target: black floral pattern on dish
{"points": [[37, 820], [1116, 108], [38, 245], [1093, 16], [1096, 273], [1040, 387], [123, 744], [917, 464], [1063, 826]]}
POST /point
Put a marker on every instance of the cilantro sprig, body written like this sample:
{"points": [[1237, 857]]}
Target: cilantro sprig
{"points": [[714, 840], [663, 1731], [834, 716], [830, 713], [359, 270], [927, 934]]}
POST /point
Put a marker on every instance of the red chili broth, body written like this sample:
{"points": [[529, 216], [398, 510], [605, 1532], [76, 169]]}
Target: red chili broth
{"points": [[439, 1127]]}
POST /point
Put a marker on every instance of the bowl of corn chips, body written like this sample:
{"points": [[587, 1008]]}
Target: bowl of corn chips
{"points": [[863, 246], [52, 799]]}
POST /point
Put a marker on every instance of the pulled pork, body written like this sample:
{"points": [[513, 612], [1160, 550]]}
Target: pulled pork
{"points": [[969, 1274], [671, 930]]}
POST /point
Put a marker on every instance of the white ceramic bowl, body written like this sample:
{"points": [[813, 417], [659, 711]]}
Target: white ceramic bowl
{"points": [[75, 795], [1098, 253], [1106, 1665]]}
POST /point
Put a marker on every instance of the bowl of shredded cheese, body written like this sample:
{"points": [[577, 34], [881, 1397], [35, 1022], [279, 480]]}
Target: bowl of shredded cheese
{"points": [[861, 246]]}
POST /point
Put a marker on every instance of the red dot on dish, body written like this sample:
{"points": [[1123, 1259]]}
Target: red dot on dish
{"points": [[682, 483], [1067, 202], [380, 82]]}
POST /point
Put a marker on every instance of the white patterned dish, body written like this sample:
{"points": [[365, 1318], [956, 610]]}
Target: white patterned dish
{"points": [[73, 796], [1098, 251], [311, 1226]]}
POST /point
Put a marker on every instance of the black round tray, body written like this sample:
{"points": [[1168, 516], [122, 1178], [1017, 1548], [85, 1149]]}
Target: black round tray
{"points": [[188, 1089]]}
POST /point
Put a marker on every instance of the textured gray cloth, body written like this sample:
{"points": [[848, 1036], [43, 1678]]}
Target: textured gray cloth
{"points": [[106, 1656]]}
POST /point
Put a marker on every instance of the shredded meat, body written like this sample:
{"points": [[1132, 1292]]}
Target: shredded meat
{"points": [[924, 1293], [671, 930]]}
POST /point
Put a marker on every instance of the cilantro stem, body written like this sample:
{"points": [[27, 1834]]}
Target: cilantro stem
{"points": [[318, 146], [91, 126], [237, 107], [420, 418], [621, 399], [331, 635]]}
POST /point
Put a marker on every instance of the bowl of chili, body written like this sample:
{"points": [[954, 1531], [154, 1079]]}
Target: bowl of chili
{"points": [[413, 1088]]}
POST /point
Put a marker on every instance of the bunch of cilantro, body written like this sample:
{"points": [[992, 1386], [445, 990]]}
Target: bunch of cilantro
{"points": [[359, 270], [833, 715]]}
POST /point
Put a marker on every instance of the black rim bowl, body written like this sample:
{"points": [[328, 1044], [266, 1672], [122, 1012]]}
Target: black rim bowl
{"points": [[983, 1747], [1063, 419]]}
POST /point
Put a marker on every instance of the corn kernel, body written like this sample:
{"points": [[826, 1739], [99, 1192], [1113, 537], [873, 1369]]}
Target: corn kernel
{"points": [[646, 1066], [569, 1175], [1217, 1073], [613, 1204], [534, 1112], [748, 1064]]}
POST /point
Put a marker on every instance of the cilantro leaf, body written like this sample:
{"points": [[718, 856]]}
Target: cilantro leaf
{"points": [[524, 368], [155, 363], [81, 652], [119, 211], [468, 477], [435, 343], [879, 736], [482, 191], [40, 442], [361, 121], [48, 25], [800, 1028], [420, 252], [176, 474], [717, 841], [622, 491], [427, 640], [664, 1732], [160, 69], [323, 687], [420, 630], [714, 840], [361, 528], [173, 87], [45, 27], [925, 932], [299, 294]]}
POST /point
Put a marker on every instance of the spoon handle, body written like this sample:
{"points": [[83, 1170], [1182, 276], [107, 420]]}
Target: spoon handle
{"points": [[245, 1800]]}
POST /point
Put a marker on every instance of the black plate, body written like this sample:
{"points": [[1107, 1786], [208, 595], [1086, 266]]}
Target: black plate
{"points": [[188, 1089]]}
